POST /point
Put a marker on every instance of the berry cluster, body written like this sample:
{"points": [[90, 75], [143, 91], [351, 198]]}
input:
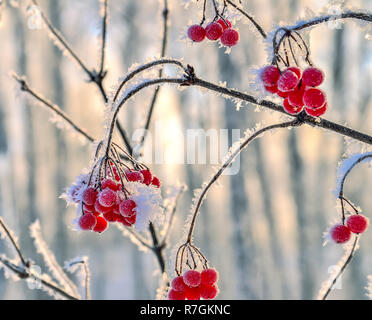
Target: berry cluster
{"points": [[220, 29], [356, 223], [193, 285], [299, 89], [111, 198]]}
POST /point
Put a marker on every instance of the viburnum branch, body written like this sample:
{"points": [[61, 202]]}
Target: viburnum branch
{"points": [[84, 264], [54, 108], [342, 269], [226, 164], [249, 17], [24, 272], [94, 77]]}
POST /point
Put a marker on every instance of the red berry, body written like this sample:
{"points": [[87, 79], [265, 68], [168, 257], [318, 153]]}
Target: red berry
{"points": [[176, 295], [88, 208], [357, 223], [223, 24], [209, 276], [192, 278], [110, 216], [230, 37], [296, 70], [282, 94], [101, 225], [101, 209], [313, 77], [291, 109], [273, 89], [314, 98], [213, 31], [192, 293], [147, 176], [178, 284], [89, 196], [107, 197], [111, 184], [270, 75], [131, 220], [340, 233], [134, 176], [123, 221], [208, 292], [288, 80], [87, 221], [126, 208], [316, 112], [196, 33], [295, 97], [156, 182]]}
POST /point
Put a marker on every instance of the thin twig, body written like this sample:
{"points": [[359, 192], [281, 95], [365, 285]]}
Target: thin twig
{"points": [[104, 32], [226, 164], [26, 88], [341, 271]]}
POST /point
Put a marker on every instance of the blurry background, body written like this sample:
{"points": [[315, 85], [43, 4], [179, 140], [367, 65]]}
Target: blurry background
{"points": [[262, 229]]}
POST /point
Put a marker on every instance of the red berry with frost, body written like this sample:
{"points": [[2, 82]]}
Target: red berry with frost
{"points": [[288, 80], [134, 176], [317, 112], [313, 77], [89, 196], [196, 33], [178, 284], [87, 221], [126, 208], [296, 70], [147, 176], [314, 98], [270, 75], [225, 24], [107, 197], [340, 233], [295, 97], [88, 208], [101, 209], [209, 276], [230, 37], [213, 31], [192, 293], [131, 220], [110, 216], [273, 89], [291, 109], [156, 182], [208, 292], [192, 278], [176, 295], [282, 94], [357, 223], [101, 225], [111, 184]]}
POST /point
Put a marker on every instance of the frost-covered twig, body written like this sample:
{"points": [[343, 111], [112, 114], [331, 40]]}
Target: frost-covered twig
{"points": [[243, 144], [343, 263], [23, 270], [50, 260], [5, 230], [249, 17], [54, 108], [83, 264]]}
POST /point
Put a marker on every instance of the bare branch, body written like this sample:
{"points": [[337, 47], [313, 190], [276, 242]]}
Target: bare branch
{"points": [[104, 32]]}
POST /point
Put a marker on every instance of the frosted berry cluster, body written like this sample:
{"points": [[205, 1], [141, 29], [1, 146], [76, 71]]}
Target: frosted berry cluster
{"points": [[194, 285], [216, 30], [132, 201], [298, 89], [356, 223]]}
